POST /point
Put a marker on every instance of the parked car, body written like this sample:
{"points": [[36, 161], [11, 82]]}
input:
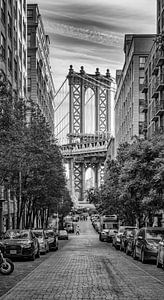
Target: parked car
{"points": [[160, 254], [20, 243], [63, 235], [116, 240], [146, 243], [111, 234], [125, 236], [131, 241], [103, 237], [52, 239], [43, 240], [70, 227]]}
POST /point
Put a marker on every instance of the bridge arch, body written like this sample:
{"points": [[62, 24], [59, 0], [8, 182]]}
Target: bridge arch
{"points": [[90, 111]]}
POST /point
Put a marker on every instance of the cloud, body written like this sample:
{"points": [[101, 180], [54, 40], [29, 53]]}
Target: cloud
{"points": [[92, 32]]}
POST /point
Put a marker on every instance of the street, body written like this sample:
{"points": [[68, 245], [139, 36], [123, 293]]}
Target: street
{"points": [[83, 268]]}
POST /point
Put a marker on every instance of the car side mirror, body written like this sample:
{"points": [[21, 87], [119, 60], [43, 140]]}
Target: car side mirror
{"points": [[161, 243]]}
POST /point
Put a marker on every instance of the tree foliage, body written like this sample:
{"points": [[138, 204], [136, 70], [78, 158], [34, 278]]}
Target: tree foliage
{"points": [[31, 162], [134, 183]]}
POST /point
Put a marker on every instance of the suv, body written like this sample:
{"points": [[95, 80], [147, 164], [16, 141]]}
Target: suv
{"points": [[52, 239]]}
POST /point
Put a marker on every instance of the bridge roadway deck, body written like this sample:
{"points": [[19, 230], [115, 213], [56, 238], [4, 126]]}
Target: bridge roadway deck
{"points": [[87, 269]]}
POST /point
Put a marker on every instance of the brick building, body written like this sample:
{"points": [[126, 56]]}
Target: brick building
{"points": [[154, 80], [40, 84], [13, 65], [129, 99]]}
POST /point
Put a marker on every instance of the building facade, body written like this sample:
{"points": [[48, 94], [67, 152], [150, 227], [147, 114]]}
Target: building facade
{"points": [[13, 55], [13, 66], [40, 83], [154, 80], [129, 99]]}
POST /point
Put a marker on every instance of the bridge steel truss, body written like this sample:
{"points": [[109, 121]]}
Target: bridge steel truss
{"points": [[87, 150]]}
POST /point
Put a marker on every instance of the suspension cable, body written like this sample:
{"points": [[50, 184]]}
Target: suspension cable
{"points": [[60, 87], [62, 120], [61, 102], [62, 129]]}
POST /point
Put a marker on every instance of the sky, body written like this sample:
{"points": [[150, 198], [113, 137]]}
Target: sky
{"points": [[90, 33]]}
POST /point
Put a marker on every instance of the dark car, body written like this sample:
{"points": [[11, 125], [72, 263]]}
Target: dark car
{"points": [[42, 239], [128, 231], [130, 241], [160, 254], [103, 237], [52, 239], [116, 240], [63, 235], [20, 243], [146, 243]]}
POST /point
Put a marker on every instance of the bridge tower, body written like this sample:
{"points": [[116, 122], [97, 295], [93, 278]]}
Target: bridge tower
{"points": [[87, 150]]}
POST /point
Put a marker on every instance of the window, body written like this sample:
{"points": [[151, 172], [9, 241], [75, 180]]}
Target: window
{"points": [[9, 59], [24, 29], [3, 9], [20, 21], [29, 84], [141, 127], [9, 26], [28, 63], [142, 61], [3, 46], [20, 50], [15, 70], [29, 40], [141, 82], [24, 5], [24, 87], [24, 57], [30, 13]]}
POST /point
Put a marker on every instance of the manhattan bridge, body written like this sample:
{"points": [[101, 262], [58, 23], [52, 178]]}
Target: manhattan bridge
{"points": [[83, 127]]}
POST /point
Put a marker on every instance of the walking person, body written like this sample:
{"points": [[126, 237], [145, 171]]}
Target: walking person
{"points": [[77, 230]]}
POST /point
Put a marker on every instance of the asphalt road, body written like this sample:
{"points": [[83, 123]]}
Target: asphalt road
{"points": [[83, 268]]}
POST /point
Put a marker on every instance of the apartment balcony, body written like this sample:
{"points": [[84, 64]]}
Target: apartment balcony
{"points": [[154, 91], [155, 68], [160, 57], [145, 87], [154, 116], [160, 109], [145, 106], [160, 83], [159, 129]]}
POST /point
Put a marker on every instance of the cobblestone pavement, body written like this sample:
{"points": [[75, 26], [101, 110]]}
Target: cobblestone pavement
{"points": [[86, 269]]}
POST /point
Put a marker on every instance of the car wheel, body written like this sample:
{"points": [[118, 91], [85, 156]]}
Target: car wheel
{"points": [[38, 254], [158, 264], [33, 257], [127, 250], [134, 253], [143, 256]]}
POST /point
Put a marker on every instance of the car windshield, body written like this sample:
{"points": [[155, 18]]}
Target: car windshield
{"points": [[38, 234], [21, 234], [155, 234]]}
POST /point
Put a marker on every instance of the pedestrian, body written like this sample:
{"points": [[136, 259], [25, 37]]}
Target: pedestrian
{"points": [[77, 230]]}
